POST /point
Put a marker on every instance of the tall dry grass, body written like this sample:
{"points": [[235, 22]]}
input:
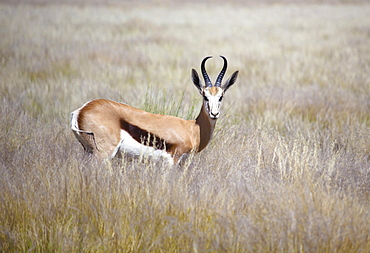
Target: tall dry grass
{"points": [[287, 171]]}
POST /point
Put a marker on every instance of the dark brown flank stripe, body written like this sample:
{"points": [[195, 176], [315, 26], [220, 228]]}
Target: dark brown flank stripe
{"points": [[145, 137]]}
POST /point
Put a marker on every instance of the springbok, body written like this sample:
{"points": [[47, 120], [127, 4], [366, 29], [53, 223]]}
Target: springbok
{"points": [[107, 128]]}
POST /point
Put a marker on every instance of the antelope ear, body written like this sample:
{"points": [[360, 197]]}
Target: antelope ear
{"points": [[196, 80], [230, 81]]}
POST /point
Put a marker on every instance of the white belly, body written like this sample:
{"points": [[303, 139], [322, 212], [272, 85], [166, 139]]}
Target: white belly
{"points": [[131, 147]]}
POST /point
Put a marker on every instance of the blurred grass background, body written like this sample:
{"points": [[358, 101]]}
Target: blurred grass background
{"points": [[288, 169]]}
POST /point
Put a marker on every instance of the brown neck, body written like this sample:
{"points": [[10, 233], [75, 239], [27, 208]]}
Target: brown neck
{"points": [[206, 126]]}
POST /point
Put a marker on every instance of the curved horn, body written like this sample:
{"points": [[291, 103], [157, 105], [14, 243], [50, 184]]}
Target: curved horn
{"points": [[207, 81], [222, 73]]}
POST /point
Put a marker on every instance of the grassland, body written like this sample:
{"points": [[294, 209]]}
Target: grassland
{"points": [[287, 171]]}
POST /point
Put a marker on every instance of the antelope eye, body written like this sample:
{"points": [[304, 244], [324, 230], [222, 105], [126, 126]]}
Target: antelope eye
{"points": [[221, 98], [205, 98]]}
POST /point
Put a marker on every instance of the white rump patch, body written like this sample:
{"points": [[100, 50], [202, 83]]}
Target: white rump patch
{"points": [[77, 131], [133, 148], [74, 120]]}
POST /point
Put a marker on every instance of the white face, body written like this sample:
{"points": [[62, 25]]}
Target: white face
{"points": [[212, 97]]}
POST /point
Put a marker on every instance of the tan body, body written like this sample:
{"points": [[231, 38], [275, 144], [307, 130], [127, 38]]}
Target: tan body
{"points": [[175, 135], [107, 128]]}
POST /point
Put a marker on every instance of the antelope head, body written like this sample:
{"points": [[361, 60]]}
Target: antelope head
{"points": [[213, 93]]}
